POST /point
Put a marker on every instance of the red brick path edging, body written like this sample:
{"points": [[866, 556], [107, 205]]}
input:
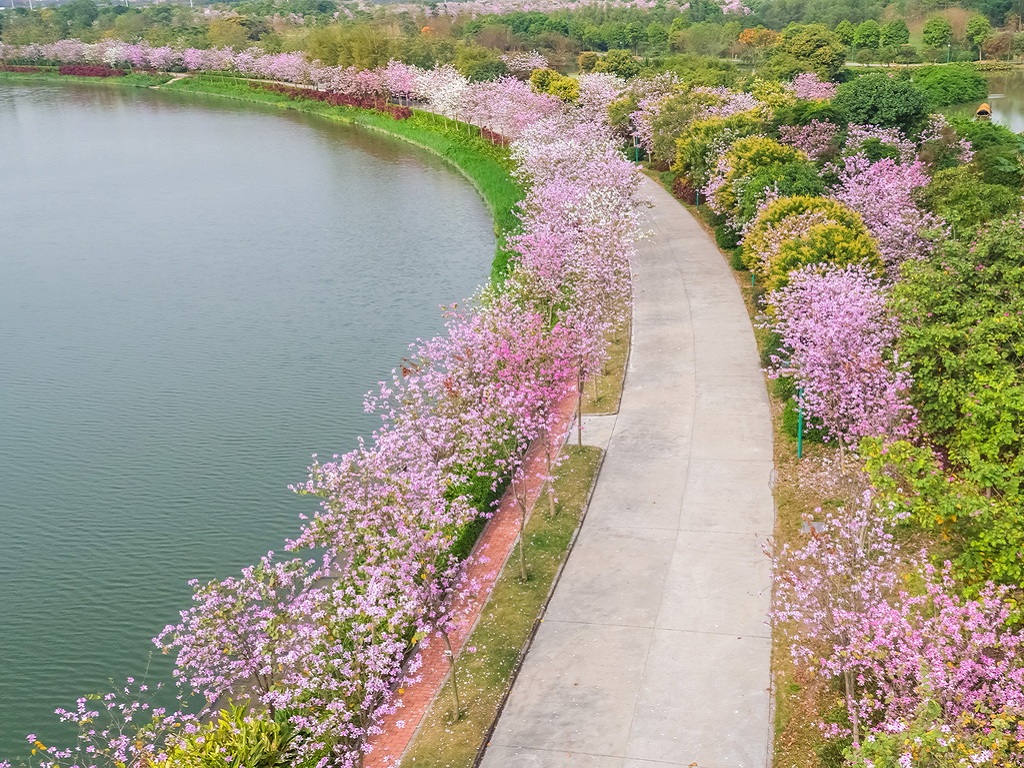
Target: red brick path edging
{"points": [[497, 540]]}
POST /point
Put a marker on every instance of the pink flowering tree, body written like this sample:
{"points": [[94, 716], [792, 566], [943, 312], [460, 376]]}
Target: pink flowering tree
{"points": [[842, 602], [229, 641], [837, 339], [809, 86], [522, 63], [818, 139], [882, 192]]}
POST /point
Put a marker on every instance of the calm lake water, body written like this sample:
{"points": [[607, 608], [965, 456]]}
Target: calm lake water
{"points": [[194, 297], [1006, 97]]}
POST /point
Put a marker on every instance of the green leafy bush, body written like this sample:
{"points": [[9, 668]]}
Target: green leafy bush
{"points": [[806, 48], [963, 317], [950, 84], [694, 158], [879, 99], [964, 199], [804, 111], [746, 157], [236, 739], [795, 178], [793, 232]]}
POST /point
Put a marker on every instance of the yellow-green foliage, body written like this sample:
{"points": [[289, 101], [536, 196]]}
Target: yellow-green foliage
{"points": [[746, 157], [565, 88], [772, 93], [693, 147], [793, 232], [554, 83], [235, 739]]}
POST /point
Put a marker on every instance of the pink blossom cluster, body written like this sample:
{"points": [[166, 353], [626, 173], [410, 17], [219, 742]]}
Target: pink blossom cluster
{"points": [[856, 135], [664, 84], [642, 119], [939, 131], [507, 106], [716, 183], [579, 222], [892, 630], [808, 85], [882, 192], [730, 102], [522, 63], [324, 634], [817, 139], [837, 342], [597, 91], [107, 727], [474, 8]]}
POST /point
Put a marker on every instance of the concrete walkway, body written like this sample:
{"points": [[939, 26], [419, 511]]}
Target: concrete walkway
{"points": [[654, 650]]}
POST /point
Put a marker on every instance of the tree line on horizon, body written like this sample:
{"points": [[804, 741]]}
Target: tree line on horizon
{"points": [[340, 33]]}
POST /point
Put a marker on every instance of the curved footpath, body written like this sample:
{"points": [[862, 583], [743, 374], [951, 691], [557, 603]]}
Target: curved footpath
{"points": [[654, 649]]}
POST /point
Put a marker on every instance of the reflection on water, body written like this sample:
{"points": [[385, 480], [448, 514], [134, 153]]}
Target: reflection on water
{"points": [[1006, 97], [194, 297]]}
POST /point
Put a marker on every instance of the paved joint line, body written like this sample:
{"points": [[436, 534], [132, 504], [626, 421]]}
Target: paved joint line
{"points": [[654, 628]]}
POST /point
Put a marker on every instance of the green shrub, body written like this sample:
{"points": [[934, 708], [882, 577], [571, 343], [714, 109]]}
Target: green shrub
{"points": [[963, 337], [803, 112], [879, 99], [793, 232], [906, 54], [950, 84], [1000, 165], [236, 739], [963, 198], [619, 62], [806, 48], [796, 178], [747, 156], [736, 260], [726, 237], [693, 148]]}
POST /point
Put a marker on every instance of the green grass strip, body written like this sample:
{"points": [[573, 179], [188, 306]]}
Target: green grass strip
{"points": [[505, 624], [134, 80]]}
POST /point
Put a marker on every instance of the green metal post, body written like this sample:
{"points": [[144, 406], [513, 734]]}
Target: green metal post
{"points": [[800, 424]]}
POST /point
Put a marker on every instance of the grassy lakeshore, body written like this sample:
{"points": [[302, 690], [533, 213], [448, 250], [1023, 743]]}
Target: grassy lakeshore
{"points": [[133, 80], [512, 611]]}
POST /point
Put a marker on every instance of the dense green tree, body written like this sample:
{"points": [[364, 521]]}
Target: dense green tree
{"points": [[952, 84], [845, 31], [704, 10], [810, 48], [619, 62], [879, 99], [656, 35], [894, 34], [78, 14], [966, 201], [938, 32], [868, 35], [977, 32], [587, 61], [478, 63]]}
